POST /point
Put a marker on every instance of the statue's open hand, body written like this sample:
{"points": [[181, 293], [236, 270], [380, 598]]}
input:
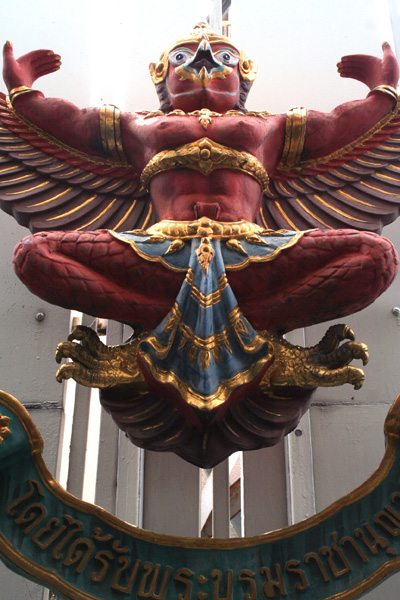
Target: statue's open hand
{"points": [[29, 67], [371, 70]]}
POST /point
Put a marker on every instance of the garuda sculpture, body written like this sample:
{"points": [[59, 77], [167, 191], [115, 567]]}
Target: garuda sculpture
{"points": [[212, 231]]}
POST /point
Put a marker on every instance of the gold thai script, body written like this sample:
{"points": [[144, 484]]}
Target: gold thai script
{"points": [[106, 559]]}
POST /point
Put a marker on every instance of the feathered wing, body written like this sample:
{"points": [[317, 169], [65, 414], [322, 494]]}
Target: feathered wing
{"points": [[357, 187], [47, 185]]}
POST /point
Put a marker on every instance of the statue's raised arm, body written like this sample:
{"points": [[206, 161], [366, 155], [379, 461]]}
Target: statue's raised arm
{"points": [[326, 133], [63, 154], [74, 126], [339, 169]]}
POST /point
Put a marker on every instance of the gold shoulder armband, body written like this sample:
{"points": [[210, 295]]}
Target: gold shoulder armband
{"points": [[110, 128], [294, 138]]}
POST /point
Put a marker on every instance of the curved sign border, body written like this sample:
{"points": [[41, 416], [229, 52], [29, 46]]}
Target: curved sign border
{"points": [[82, 552]]}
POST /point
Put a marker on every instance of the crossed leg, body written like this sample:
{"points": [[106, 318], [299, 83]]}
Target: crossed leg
{"points": [[326, 275], [95, 273]]}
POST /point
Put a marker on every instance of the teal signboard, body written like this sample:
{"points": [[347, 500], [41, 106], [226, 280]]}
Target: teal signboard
{"points": [[82, 552]]}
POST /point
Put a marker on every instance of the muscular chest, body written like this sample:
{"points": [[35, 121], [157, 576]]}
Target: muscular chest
{"points": [[165, 132]]}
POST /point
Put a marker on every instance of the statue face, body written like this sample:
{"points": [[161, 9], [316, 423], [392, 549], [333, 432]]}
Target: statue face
{"points": [[203, 76]]}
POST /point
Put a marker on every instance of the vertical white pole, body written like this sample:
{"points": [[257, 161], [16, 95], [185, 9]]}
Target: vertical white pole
{"points": [[299, 460], [221, 500], [216, 16]]}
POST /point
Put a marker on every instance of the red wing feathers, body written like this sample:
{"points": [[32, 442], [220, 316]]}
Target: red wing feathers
{"points": [[357, 187], [47, 185]]}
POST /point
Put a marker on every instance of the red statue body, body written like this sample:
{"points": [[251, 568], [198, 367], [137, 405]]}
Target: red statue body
{"points": [[211, 171]]}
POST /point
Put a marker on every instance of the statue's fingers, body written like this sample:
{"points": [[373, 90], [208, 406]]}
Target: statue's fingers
{"points": [[354, 71], [390, 65], [48, 69], [353, 74], [8, 51], [360, 64], [46, 57], [359, 58]]}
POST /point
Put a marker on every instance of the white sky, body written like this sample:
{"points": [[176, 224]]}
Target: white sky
{"points": [[106, 47]]}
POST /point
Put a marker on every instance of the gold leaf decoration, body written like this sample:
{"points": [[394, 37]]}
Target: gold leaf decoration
{"points": [[228, 344], [205, 254], [205, 358], [192, 352], [169, 324], [256, 239], [241, 327], [181, 344], [217, 354], [155, 238], [175, 246], [236, 245]]}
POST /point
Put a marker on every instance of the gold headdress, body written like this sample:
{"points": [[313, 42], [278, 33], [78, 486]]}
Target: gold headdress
{"points": [[202, 31]]}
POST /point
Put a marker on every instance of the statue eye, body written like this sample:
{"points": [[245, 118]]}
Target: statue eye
{"points": [[180, 56], [227, 57]]}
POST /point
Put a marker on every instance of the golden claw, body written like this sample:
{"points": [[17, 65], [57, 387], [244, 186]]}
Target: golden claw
{"points": [[324, 365], [96, 365]]}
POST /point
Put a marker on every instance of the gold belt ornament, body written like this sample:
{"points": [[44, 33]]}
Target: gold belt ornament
{"points": [[205, 156], [205, 227]]}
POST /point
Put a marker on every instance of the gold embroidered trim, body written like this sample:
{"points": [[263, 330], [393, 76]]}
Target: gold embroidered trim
{"points": [[206, 300], [206, 346], [204, 227], [204, 115], [205, 156], [206, 403], [294, 138]]}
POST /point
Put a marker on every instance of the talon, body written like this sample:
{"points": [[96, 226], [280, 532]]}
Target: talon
{"points": [[365, 357], [65, 372], [79, 374], [95, 364], [90, 340], [332, 338], [79, 332], [325, 364], [77, 353], [59, 355], [357, 378], [342, 356]]}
